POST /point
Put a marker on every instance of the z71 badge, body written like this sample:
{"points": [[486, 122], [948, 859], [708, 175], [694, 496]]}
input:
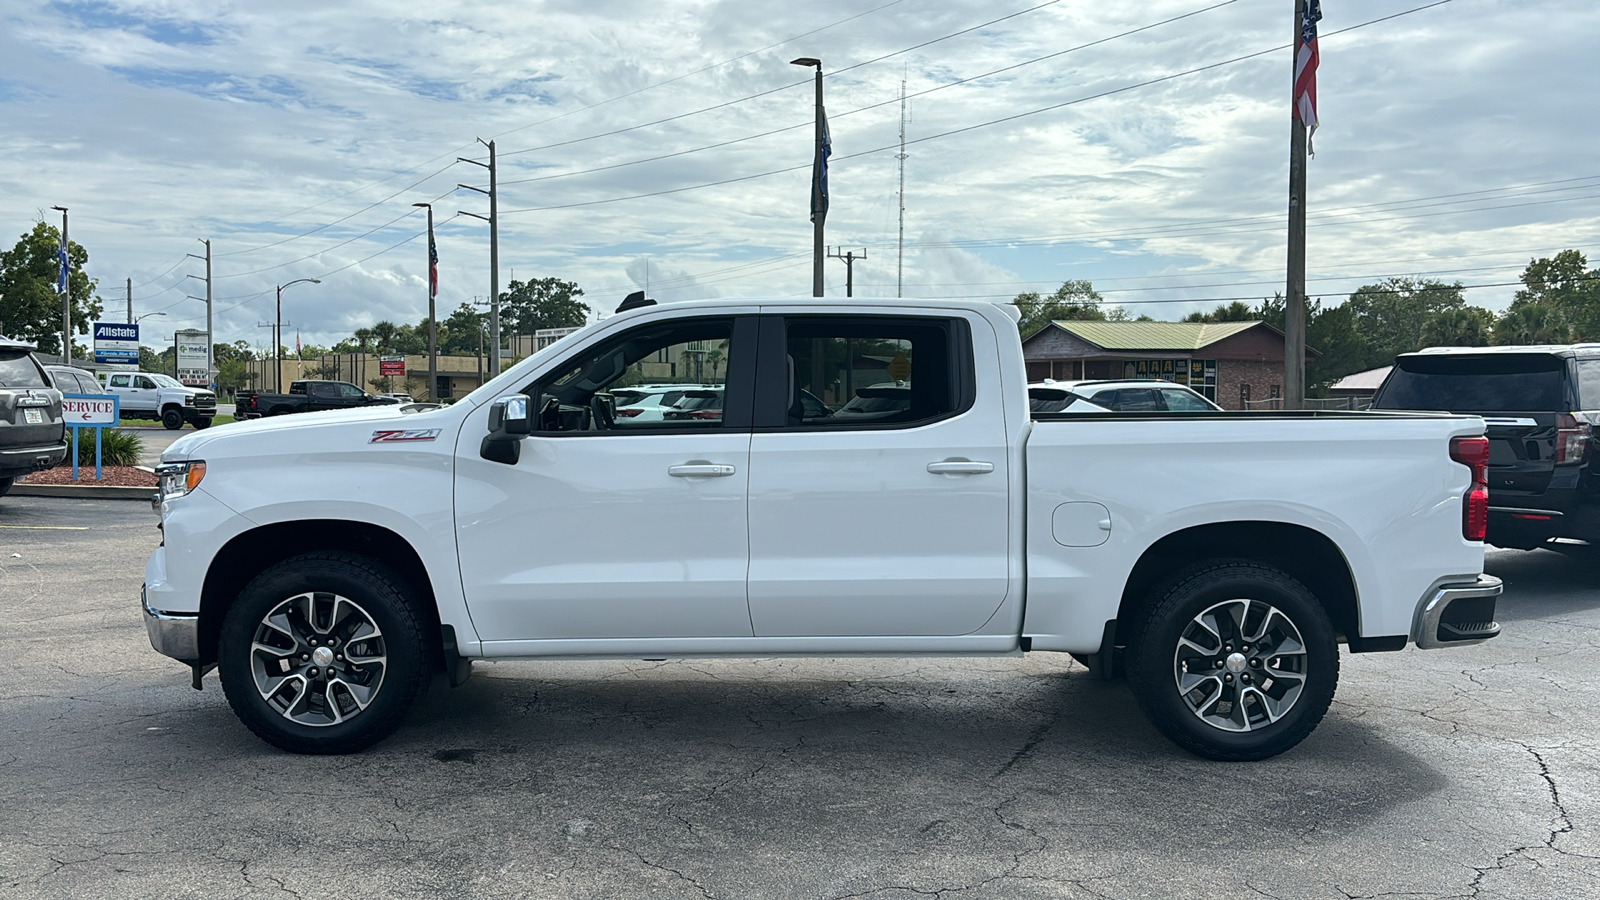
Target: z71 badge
{"points": [[403, 435]]}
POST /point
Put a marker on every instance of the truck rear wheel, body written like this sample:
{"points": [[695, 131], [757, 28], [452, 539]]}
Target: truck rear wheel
{"points": [[1234, 661], [322, 653], [173, 419]]}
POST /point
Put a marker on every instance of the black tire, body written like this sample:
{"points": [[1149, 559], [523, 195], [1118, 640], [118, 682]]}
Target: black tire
{"points": [[173, 419], [200, 422], [5, 485], [313, 713], [1229, 712]]}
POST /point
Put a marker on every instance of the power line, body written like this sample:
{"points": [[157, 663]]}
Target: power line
{"points": [[342, 243], [964, 129]]}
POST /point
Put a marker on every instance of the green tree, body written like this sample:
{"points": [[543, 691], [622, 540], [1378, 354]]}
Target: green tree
{"points": [[1237, 311], [526, 306], [1535, 322], [1392, 314], [461, 331], [1566, 286], [1074, 300], [1468, 326], [30, 308]]}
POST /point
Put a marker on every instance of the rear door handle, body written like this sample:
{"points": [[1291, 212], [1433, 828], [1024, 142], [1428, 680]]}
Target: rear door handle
{"points": [[960, 467], [701, 470]]}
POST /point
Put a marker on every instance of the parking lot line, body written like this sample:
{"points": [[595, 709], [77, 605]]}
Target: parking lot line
{"points": [[47, 527]]}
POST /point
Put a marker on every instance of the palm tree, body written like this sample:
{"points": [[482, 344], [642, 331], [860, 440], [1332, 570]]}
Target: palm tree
{"points": [[363, 338], [1531, 323]]}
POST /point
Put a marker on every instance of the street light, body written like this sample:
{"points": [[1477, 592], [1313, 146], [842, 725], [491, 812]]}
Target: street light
{"points": [[819, 199], [433, 291], [147, 315], [277, 333], [64, 285]]}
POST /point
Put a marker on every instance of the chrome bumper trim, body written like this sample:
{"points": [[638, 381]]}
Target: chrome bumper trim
{"points": [[175, 634], [1430, 610]]}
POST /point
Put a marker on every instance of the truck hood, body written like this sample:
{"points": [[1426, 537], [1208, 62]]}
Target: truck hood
{"points": [[372, 418]]}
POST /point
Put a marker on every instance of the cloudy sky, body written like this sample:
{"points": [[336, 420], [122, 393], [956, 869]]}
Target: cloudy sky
{"points": [[1141, 146]]}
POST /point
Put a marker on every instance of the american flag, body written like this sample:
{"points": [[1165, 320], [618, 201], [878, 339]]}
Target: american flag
{"points": [[1305, 65], [433, 266]]}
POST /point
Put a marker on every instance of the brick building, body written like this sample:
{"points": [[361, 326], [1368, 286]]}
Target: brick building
{"points": [[1236, 364]]}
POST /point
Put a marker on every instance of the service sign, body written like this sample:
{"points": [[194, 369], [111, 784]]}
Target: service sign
{"points": [[116, 343], [88, 410], [193, 357]]}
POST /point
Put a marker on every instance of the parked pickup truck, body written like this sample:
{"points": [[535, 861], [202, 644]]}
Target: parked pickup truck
{"points": [[327, 566], [307, 396], [151, 395]]}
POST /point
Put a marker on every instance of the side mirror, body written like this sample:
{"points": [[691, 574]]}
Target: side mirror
{"points": [[510, 420]]}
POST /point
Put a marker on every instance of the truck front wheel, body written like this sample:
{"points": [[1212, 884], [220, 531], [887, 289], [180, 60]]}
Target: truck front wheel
{"points": [[173, 419], [1234, 660], [322, 653]]}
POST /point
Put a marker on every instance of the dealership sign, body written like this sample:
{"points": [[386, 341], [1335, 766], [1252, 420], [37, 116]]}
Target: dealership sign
{"points": [[392, 366], [116, 343]]}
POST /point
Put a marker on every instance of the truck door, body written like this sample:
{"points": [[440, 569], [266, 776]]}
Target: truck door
{"points": [[144, 395], [886, 511], [611, 526]]}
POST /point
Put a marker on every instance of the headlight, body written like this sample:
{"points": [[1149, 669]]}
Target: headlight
{"points": [[178, 479]]}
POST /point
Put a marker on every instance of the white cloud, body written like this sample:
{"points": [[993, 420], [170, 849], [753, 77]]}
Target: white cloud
{"points": [[161, 122]]}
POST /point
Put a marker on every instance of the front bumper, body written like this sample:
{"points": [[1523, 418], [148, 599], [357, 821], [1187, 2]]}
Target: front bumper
{"points": [[175, 634], [1457, 615]]}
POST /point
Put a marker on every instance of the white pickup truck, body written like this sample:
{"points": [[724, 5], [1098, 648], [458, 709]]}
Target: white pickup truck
{"points": [[330, 564], [150, 395]]}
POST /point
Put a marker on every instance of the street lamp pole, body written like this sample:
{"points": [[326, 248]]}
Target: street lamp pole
{"points": [[819, 199], [64, 280], [277, 334], [433, 291]]}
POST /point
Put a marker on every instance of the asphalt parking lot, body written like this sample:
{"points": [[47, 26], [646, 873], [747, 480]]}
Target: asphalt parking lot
{"points": [[1467, 773]]}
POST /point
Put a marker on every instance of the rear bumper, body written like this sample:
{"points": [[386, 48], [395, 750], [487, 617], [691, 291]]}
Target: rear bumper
{"points": [[1457, 615], [22, 460], [175, 634]]}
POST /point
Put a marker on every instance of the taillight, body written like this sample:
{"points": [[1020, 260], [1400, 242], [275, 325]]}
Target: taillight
{"points": [[706, 414], [1473, 452], [1572, 438], [629, 412]]}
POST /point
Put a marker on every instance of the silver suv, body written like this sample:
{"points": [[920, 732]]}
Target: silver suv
{"points": [[32, 434]]}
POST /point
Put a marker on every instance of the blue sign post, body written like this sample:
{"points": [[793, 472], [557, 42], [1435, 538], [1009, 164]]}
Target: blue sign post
{"points": [[96, 411]]}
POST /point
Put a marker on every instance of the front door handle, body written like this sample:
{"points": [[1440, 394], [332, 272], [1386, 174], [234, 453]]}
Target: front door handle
{"points": [[960, 467], [701, 470]]}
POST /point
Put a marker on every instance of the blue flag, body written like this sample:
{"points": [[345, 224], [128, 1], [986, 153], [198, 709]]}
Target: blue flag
{"points": [[61, 275], [819, 175]]}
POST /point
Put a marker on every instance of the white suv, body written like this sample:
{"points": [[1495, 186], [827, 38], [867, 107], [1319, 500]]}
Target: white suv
{"points": [[1121, 395], [650, 402]]}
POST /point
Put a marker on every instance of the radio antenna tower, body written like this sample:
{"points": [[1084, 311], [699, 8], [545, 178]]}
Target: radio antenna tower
{"points": [[900, 256]]}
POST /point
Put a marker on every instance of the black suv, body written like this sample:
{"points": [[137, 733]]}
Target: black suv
{"points": [[1541, 405], [32, 436]]}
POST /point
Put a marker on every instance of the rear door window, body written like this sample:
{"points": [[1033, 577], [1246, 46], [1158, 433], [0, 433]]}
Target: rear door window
{"points": [[1589, 384], [17, 369], [120, 381], [1136, 400], [1502, 382], [1183, 401]]}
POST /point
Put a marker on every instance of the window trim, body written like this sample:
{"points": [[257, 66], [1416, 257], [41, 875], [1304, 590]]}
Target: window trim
{"points": [[772, 381], [738, 385]]}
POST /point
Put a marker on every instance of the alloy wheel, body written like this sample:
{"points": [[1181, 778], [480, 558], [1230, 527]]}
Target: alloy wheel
{"points": [[1240, 665], [318, 659]]}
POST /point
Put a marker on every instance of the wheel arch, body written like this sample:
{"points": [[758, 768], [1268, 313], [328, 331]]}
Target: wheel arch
{"points": [[250, 553], [1305, 554]]}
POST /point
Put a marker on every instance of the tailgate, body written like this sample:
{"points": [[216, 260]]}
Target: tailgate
{"points": [[1522, 451]]}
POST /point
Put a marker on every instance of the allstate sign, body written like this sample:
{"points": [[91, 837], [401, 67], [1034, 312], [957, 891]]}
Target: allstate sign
{"points": [[115, 342]]}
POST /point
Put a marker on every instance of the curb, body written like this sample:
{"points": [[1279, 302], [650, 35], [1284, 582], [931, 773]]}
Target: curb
{"points": [[82, 491]]}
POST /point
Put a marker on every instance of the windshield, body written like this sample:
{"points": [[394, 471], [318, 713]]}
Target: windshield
{"points": [[1521, 382], [167, 381], [17, 369]]}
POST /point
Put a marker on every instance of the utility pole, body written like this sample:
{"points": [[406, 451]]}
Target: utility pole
{"points": [[819, 180], [900, 259], [64, 285], [130, 301], [1294, 313], [433, 291], [211, 339], [494, 250], [849, 258]]}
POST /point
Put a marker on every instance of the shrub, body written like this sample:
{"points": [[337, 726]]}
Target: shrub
{"points": [[117, 448]]}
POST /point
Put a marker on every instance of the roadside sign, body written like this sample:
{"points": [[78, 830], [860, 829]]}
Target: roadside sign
{"points": [[194, 357], [88, 410], [391, 366], [899, 367], [116, 342], [96, 411]]}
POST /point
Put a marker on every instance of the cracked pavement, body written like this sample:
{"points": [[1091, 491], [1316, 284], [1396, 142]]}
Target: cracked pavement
{"points": [[1471, 773]]}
